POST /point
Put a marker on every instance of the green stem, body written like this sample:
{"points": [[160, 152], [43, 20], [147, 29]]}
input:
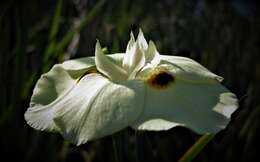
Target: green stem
{"points": [[196, 148]]}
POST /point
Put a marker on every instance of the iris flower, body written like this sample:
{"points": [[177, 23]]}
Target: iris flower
{"points": [[92, 97]]}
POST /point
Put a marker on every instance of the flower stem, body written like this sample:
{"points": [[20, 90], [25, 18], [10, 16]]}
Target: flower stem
{"points": [[196, 148]]}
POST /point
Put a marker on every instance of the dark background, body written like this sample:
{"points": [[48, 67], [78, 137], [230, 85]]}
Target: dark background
{"points": [[222, 35]]}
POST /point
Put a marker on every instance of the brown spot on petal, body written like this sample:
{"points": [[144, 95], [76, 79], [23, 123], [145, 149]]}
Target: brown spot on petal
{"points": [[160, 78]]}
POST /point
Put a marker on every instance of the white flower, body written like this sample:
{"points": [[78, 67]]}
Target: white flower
{"points": [[92, 97]]}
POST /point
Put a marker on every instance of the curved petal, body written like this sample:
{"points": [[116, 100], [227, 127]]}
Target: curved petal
{"points": [[155, 124], [130, 44], [53, 86], [189, 70], [97, 107], [141, 41], [49, 88], [201, 107], [85, 62], [228, 103], [78, 64], [129, 53], [133, 61], [152, 55], [107, 66]]}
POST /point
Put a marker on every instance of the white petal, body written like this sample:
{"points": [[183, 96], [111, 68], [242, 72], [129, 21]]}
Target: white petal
{"points": [[53, 86], [131, 46], [152, 55], [228, 103], [130, 43], [49, 88], [188, 69], [155, 124], [141, 41], [107, 67], [97, 107], [201, 107], [80, 64], [134, 60]]}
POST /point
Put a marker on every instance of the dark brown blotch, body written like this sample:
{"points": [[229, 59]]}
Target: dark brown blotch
{"points": [[160, 79]]}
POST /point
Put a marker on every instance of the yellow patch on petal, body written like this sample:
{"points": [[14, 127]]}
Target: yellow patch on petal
{"points": [[89, 71], [160, 78]]}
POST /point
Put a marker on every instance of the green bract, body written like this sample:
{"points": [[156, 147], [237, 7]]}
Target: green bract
{"points": [[92, 97]]}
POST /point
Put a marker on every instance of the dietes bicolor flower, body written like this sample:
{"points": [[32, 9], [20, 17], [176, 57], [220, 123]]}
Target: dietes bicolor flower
{"points": [[92, 97]]}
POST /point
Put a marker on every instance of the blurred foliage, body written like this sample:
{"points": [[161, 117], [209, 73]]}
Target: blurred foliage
{"points": [[221, 35]]}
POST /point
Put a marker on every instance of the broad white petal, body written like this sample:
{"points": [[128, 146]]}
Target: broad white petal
{"points": [[188, 69], [49, 88], [54, 85], [141, 41], [204, 107], [97, 107], [107, 67], [152, 56]]}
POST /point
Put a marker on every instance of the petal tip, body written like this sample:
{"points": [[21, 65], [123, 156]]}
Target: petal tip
{"points": [[98, 46], [132, 35], [152, 46], [140, 31], [141, 40]]}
